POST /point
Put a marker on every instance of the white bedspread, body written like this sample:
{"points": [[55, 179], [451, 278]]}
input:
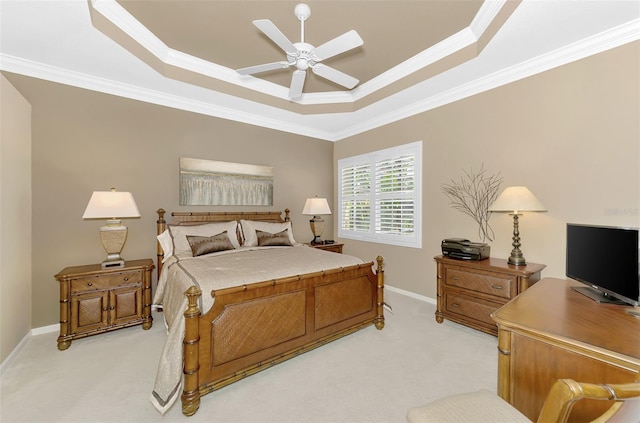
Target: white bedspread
{"points": [[219, 271]]}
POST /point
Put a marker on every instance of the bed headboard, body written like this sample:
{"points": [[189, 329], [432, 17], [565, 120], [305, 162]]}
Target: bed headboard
{"points": [[198, 218]]}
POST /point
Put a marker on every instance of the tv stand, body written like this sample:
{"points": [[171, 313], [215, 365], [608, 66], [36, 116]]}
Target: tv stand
{"points": [[597, 296]]}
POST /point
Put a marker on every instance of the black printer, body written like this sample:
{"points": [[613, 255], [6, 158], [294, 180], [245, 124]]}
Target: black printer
{"points": [[464, 249]]}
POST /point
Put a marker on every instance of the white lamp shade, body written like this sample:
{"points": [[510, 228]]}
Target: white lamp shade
{"points": [[316, 206], [111, 205], [515, 200]]}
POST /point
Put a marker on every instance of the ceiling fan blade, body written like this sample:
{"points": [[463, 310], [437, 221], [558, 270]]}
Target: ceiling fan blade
{"points": [[338, 45], [335, 75], [271, 31], [297, 82], [263, 68]]}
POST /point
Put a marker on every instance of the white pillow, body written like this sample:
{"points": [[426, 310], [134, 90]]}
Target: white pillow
{"points": [[166, 242], [249, 228], [179, 234]]}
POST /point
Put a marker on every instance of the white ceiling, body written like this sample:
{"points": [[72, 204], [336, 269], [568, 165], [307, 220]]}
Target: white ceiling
{"points": [[417, 54]]}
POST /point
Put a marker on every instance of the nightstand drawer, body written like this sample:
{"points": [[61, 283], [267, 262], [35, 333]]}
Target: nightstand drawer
{"points": [[495, 284], [105, 281], [471, 307]]}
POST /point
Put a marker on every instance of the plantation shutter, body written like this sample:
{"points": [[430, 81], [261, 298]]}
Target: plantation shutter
{"points": [[379, 196], [356, 191], [394, 187]]}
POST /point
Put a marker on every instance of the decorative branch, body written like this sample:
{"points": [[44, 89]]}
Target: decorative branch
{"points": [[472, 195]]}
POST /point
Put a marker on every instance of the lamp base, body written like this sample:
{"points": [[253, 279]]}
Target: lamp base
{"points": [[113, 236], [516, 258], [317, 227], [110, 263]]}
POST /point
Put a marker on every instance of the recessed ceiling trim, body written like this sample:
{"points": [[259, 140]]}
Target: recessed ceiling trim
{"points": [[615, 37], [38, 70], [595, 44], [125, 22]]}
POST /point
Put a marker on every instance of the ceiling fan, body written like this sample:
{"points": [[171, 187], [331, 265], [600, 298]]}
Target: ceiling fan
{"points": [[304, 56]]}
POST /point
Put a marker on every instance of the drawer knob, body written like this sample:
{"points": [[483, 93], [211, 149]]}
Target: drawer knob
{"points": [[126, 278], [90, 284], [496, 286]]}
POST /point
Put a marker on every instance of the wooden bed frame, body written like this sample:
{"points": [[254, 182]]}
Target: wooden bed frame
{"points": [[234, 339]]}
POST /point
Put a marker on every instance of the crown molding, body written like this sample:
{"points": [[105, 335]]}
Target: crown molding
{"points": [[256, 114], [604, 41]]}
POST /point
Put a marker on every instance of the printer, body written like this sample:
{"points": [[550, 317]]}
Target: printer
{"points": [[464, 249]]}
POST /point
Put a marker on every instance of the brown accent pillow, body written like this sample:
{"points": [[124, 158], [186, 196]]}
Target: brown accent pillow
{"points": [[266, 239], [201, 245]]}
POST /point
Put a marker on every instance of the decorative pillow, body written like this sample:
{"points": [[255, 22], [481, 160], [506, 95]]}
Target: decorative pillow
{"points": [[201, 245], [249, 228], [265, 239], [179, 234], [166, 243]]}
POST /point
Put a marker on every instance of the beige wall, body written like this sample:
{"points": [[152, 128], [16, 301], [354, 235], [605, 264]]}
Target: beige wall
{"points": [[85, 141], [572, 135], [15, 218]]}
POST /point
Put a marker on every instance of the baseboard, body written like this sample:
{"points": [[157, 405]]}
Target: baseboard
{"points": [[45, 329], [7, 361], [410, 294]]}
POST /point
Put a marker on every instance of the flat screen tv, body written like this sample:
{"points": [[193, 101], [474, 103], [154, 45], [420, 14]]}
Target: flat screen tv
{"points": [[605, 259]]}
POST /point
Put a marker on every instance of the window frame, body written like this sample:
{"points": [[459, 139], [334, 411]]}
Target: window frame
{"points": [[413, 240]]}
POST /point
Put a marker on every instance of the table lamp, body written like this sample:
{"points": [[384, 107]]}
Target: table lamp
{"points": [[316, 207], [112, 205], [515, 200]]}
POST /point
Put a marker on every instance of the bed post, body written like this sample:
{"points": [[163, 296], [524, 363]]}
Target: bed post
{"points": [[379, 322], [191, 389], [161, 226], [286, 215]]}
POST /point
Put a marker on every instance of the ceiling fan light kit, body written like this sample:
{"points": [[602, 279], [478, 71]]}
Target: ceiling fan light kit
{"points": [[305, 56]]}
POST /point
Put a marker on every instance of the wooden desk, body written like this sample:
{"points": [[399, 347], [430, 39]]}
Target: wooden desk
{"points": [[551, 332]]}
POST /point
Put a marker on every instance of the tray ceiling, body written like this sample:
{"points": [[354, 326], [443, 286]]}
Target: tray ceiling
{"points": [[417, 55]]}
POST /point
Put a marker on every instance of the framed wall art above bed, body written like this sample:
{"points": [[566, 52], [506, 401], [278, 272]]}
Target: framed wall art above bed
{"points": [[213, 183]]}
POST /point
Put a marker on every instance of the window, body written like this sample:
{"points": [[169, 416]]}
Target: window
{"points": [[379, 196]]}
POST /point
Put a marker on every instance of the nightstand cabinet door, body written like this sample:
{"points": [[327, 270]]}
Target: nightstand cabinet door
{"points": [[89, 311], [94, 300], [125, 305]]}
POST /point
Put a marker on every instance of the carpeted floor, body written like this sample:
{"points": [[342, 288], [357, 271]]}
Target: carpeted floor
{"points": [[370, 376]]}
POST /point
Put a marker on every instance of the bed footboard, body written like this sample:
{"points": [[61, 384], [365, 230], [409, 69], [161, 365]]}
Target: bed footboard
{"points": [[256, 326]]}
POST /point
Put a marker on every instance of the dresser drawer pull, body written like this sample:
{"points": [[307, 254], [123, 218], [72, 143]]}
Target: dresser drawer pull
{"points": [[496, 286], [455, 305], [454, 277], [90, 284], [126, 279]]}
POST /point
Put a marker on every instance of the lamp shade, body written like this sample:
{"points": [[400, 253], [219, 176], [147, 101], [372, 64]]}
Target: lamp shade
{"points": [[111, 205], [515, 200], [316, 206]]}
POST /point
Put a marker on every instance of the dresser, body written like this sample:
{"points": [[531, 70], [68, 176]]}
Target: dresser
{"points": [[94, 300], [552, 332], [468, 291]]}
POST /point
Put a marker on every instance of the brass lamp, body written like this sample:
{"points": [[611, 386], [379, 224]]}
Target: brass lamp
{"points": [[316, 207], [112, 205], [515, 200]]}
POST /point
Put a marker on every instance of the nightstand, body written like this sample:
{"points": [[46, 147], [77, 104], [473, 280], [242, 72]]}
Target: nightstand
{"points": [[468, 291], [336, 248], [94, 300]]}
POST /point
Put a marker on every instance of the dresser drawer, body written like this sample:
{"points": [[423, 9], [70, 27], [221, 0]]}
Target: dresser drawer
{"points": [[495, 284], [105, 281], [469, 307]]}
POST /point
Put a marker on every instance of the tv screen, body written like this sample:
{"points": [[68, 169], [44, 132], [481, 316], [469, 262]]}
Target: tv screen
{"points": [[605, 259]]}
